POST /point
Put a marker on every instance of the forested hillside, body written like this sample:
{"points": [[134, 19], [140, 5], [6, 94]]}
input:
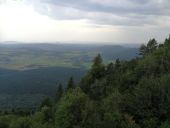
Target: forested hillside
{"points": [[122, 94], [26, 89]]}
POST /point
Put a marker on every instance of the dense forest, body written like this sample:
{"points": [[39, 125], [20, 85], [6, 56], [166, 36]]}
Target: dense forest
{"points": [[123, 94]]}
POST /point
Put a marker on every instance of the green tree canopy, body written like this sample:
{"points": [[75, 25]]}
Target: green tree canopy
{"points": [[71, 83], [98, 69], [59, 92]]}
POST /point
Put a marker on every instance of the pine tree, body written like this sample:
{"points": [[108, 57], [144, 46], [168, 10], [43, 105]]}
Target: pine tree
{"points": [[97, 61], [142, 50], [167, 40], [46, 103], [98, 68], [117, 63], [149, 48], [152, 45], [71, 83], [59, 92]]}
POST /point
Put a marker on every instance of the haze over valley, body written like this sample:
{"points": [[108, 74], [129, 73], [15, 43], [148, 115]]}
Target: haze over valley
{"points": [[30, 72]]}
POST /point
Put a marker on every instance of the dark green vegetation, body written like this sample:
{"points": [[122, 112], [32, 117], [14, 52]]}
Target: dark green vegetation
{"points": [[124, 94], [26, 89], [30, 72]]}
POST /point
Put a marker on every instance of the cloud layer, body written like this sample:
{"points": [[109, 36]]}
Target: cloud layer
{"points": [[84, 20], [107, 12]]}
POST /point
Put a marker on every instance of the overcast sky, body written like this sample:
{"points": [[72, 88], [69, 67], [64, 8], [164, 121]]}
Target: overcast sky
{"points": [[126, 21]]}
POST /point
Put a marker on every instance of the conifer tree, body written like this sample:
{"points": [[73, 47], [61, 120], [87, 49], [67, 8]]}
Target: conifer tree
{"points": [[59, 92], [117, 63], [98, 68], [142, 50], [71, 83], [46, 102], [152, 45], [149, 48], [167, 40]]}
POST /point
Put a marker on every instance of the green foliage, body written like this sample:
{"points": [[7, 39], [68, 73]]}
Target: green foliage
{"points": [[23, 122], [98, 68], [4, 122], [110, 109], [26, 89], [124, 94], [71, 84], [149, 48], [165, 124], [152, 45], [151, 98], [59, 93], [86, 82], [143, 49], [46, 102], [167, 40], [144, 86], [70, 110], [97, 71], [47, 114], [150, 123]]}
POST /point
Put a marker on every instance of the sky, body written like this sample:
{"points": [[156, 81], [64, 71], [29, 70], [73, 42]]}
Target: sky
{"points": [[113, 21]]}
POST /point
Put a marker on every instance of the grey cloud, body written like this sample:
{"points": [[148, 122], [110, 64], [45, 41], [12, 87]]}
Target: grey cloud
{"points": [[152, 7], [109, 12]]}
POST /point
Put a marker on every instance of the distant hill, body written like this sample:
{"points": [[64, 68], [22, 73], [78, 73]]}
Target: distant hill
{"points": [[33, 56]]}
